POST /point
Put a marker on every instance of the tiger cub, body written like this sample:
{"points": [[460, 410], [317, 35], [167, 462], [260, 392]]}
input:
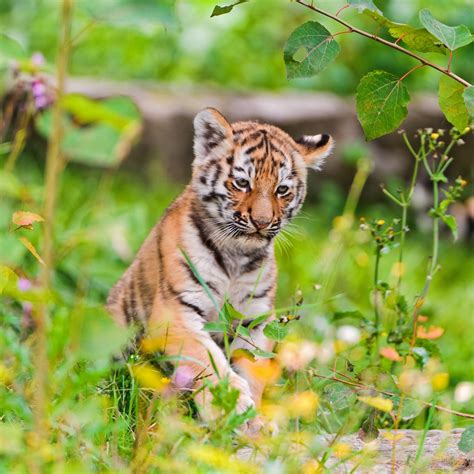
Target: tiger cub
{"points": [[248, 181]]}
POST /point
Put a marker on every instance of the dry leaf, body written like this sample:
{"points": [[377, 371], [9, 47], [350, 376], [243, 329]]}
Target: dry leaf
{"points": [[391, 354], [32, 249], [433, 332], [26, 219]]}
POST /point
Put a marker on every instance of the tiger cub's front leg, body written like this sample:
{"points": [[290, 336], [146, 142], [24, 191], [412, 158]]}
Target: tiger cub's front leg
{"points": [[183, 337]]}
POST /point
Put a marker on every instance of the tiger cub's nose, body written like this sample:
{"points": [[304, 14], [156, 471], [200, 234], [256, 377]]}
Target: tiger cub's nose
{"points": [[261, 223]]}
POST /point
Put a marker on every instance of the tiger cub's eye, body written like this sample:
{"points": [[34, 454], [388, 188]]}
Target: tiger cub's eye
{"points": [[242, 183], [281, 190]]}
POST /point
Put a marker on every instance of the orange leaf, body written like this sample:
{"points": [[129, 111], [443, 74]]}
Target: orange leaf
{"points": [[26, 219], [433, 332], [390, 353], [32, 249]]}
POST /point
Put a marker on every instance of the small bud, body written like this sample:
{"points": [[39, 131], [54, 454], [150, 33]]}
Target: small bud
{"points": [[460, 142], [380, 222], [434, 136]]}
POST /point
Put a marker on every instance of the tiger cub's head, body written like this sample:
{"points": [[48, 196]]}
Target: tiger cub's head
{"points": [[251, 177]]}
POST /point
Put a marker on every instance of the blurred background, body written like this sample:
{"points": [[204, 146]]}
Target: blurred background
{"points": [[157, 64]]}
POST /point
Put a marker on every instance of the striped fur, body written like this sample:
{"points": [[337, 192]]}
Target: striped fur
{"points": [[248, 181]]}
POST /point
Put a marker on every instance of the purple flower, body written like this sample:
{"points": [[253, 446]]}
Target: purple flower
{"points": [[183, 378], [24, 284], [37, 59], [38, 88]]}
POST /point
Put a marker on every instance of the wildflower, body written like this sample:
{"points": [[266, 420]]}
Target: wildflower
{"points": [[380, 222], [183, 378], [440, 381], [434, 136], [317, 286], [296, 355], [24, 284], [37, 59], [381, 403], [312, 467], [149, 377], [303, 405], [463, 392], [348, 334], [342, 450], [6, 375]]}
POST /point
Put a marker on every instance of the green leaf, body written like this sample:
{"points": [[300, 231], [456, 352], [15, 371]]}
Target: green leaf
{"points": [[243, 331], [218, 10], [422, 354], [258, 320], [275, 331], [417, 39], [468, 96], [453, 37], [381, 101], [451, 102], [8, 278], [263, 354], [356, 314], [229, 313], [215, 326], [466, 443], [339, 396], [363, 5], [10, 51], [309, 50], [113, 125], [450, 221]]}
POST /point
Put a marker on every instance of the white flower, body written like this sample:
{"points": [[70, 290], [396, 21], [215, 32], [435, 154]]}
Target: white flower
{"points": [[349, 334], [464, 392]]}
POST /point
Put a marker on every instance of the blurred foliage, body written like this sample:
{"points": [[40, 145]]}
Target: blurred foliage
{"points": [[243, 50]]}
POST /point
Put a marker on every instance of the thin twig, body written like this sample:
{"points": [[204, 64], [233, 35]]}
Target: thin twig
{"points": [[387, 43], [411, 70]]}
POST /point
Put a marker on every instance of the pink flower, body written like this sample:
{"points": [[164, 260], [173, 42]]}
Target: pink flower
{"points": [[183, 378]]}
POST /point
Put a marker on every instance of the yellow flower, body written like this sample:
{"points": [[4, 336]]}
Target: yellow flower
{"points": [[380, 222], [434, 136], [342, 450], [149, 377], [440, 381], [311, 467], [382, 404], [303, 404], [6, 375]]}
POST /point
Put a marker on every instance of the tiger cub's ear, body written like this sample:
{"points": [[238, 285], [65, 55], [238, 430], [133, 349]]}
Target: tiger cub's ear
{"points": [[211, 130], [314, 148]]}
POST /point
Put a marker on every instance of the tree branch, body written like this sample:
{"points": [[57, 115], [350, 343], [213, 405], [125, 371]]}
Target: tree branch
{"points": [[422, 60]]}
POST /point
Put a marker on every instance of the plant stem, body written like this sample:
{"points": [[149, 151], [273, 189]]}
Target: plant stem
{"points": [[423, 436], [51, 184], [403, 50], [376, 295]]}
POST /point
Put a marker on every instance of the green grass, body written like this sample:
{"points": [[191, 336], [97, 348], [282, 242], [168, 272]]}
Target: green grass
{"points": [[97, 408]]}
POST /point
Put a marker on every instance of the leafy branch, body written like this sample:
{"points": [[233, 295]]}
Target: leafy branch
{"points": [[393, 45], [382, 97]]}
